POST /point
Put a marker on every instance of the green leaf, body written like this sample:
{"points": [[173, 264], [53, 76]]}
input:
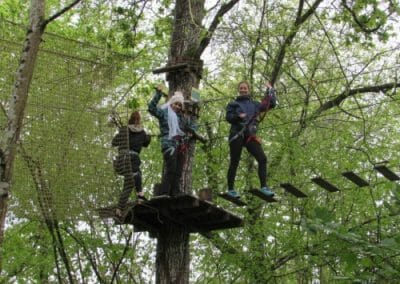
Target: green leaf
{"points": [[323, 214], [133, 104]]}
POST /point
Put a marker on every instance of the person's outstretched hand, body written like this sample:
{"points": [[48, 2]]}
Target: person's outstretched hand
{"points": [[162, 88], [268, 85]]}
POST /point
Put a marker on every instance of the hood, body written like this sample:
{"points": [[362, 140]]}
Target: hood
{"points": [[135, 128]]}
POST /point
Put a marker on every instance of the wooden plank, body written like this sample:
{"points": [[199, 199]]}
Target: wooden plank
{"points": [[261, 195], [227, 222], [387, 173], [325, 184], [355, 179], [145, 216], [175, 202], [197, 214], [235, 200], [293, 190], [209, 222], [184, 201], [142, 226], [170, 68]]}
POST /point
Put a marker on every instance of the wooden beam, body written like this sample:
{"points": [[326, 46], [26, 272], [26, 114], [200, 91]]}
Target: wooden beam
{"points": [[355, 179], [325, 184], [387, 173], [170, 68], [293, 190]]}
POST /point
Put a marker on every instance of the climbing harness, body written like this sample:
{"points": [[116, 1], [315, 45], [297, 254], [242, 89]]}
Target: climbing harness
{"points": [[131, 152], [246, 126]]}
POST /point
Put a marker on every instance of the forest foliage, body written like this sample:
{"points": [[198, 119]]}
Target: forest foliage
{"points": [[334, 65]]}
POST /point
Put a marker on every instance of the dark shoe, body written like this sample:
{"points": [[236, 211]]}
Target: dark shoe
{"points": [[267, 192], [233, 193]]}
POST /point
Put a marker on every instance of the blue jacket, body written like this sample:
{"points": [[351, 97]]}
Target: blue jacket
{"points": [[245, 104], [162, 116]]}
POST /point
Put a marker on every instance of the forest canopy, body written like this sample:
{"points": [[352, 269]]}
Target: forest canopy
{"points": [[334, 65]]}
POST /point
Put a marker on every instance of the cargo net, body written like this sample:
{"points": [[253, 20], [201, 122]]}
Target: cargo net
{"points": [[64, 163], [127, 161]]}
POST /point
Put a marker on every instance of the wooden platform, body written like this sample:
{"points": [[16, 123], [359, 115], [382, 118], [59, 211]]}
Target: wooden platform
{"points": [[186, 210]]}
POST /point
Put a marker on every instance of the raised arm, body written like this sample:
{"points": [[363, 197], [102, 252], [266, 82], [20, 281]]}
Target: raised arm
{"points": [[153, 108], [269, 100]]}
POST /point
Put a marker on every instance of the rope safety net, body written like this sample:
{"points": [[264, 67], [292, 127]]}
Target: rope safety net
{"points": [[64, 166]]}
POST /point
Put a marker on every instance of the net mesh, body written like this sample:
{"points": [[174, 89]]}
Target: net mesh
{"points": [[64, 163]]}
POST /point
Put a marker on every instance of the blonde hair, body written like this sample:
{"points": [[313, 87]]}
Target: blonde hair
{"points": [[244, 82]]}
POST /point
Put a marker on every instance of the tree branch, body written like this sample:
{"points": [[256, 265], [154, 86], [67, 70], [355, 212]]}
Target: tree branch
{"points": [[86, 251], [125, 251], [357, 21], [346, 94], [59, 13], [257, 42], [299, 10], [214, 24], [289, 39]]}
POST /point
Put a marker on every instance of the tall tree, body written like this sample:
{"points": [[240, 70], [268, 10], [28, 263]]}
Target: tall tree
{"points": [[338, 110], [17, 102], [189, 39]]}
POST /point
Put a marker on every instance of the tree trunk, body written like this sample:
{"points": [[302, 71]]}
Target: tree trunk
{"points": [[17, 103], [18, 99], [185, 41], [187, 45], [172, 264], [173, 255]]}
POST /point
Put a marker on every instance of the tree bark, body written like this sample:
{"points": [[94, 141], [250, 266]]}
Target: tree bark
{"points": [[19, 97], [187, 45], [17, 103], [172, 264], [173, 255]]}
